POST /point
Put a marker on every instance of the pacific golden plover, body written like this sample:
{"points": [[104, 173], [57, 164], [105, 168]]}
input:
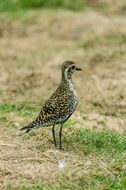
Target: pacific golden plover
{"points": [[60, 106]]}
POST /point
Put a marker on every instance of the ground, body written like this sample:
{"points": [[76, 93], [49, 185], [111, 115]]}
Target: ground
{"points": [[34, 44]]}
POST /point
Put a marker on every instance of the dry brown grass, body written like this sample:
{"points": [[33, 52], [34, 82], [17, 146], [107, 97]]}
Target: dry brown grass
{"points": [[30, 59]]}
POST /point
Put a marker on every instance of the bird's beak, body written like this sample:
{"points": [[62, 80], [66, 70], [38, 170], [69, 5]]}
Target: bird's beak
{"points": [[78, 69]]}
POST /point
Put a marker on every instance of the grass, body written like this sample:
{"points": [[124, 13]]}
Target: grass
{"points": [[105, 152], [42, 187], [102, 108], [110, 38], [107, 147], [106, 143], [76, 5], [22, 109], [9, 5], [94, 182]]}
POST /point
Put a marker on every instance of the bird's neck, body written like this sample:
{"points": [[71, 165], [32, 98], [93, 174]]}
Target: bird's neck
{"points": [[67, 82], [66, 79]]}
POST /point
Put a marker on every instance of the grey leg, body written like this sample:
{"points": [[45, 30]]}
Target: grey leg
{"points": [[60, 135], [53, 132]]}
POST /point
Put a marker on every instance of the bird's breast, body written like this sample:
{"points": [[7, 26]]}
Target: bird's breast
{"points": [[73, 100]]}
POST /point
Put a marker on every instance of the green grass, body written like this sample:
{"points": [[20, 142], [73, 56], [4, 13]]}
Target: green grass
{"points": [[2, 118], [93, 182], [96, 143], [75, 5], [11, 5], [24, 109]]}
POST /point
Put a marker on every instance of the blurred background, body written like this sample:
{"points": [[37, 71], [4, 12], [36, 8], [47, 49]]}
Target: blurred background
{"points": [[36, 37]]}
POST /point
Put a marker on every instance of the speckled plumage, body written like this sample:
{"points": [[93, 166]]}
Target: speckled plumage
{"points": [[60, 106]]}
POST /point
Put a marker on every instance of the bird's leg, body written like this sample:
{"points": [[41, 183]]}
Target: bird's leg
{"points": [[53, 132], [60, 134]]}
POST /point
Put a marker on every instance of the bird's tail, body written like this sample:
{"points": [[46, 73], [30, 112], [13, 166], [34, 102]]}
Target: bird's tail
{"points": [[29, 127]]}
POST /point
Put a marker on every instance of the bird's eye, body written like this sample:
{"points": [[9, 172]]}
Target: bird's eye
{"points": [[73, 67]]}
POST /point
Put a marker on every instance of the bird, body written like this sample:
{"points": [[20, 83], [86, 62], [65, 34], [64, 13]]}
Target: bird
{"points": [[60, 105]]}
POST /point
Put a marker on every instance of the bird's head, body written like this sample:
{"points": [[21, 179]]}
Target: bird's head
{"points": [[68, 69]]}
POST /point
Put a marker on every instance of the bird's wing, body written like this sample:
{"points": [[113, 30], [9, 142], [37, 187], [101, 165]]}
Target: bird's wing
{"points": [[55, 109]]}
